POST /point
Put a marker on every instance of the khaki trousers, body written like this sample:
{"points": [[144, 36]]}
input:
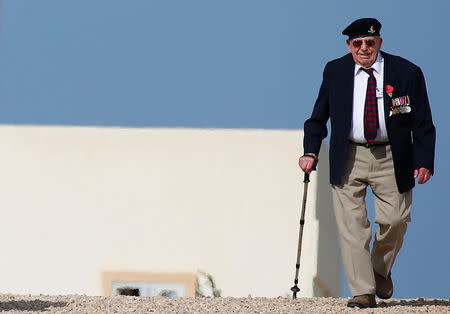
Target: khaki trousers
{"points": [[372, 167]]}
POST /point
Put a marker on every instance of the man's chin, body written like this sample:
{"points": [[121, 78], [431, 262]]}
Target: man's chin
{"points": [[365, 63]]}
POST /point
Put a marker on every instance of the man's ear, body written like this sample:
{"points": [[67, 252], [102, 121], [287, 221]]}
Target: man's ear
{"points": [[348, 45]]}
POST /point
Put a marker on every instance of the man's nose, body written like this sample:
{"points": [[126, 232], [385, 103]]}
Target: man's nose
{"points": [[364, 46]]}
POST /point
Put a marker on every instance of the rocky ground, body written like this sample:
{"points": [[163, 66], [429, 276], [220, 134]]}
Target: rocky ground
{"points": [[127, 304]]}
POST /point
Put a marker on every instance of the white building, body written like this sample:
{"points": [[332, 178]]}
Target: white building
{"points": [[91, 210]]}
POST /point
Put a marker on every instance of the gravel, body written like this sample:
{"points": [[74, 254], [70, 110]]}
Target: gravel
{"points": [[127, 304]]}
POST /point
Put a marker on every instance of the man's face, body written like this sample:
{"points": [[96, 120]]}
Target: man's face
{"points": [[365, 49]]}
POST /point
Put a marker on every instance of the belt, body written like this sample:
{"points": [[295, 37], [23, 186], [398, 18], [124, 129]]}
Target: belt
{"points": [[368, 145]]}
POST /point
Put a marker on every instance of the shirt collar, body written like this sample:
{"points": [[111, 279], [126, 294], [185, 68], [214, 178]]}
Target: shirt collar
{"points": [[377, 65]]}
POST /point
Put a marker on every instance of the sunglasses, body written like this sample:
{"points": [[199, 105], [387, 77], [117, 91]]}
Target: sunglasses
{"points": [[358, 43]]}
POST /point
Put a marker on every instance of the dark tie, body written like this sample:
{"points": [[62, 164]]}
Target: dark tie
{"points": [[371, 108]]}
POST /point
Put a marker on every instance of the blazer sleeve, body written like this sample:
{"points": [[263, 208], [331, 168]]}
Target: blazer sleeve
{"points": [[423, 131], [315, 128]]}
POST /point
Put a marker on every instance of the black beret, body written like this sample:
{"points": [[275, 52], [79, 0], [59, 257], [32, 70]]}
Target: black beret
{"points": [[363, 28]]}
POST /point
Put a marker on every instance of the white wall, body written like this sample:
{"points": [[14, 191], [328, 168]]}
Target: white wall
{"points": [[77, 201]]}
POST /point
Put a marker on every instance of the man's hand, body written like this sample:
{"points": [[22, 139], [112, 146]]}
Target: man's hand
{"points": [[423, 174], [306, 163]]}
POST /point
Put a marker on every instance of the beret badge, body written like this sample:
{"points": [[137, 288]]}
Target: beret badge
{"points": [[371, 30]]}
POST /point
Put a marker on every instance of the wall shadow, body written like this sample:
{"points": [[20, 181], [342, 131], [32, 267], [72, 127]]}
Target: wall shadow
{"points": [[328, 259], [29, 305]]}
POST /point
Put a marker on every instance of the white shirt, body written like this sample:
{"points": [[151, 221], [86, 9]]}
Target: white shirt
{"points": [[359, 99]]}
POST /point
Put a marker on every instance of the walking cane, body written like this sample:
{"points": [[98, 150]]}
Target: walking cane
{"points": [[295, 288]]}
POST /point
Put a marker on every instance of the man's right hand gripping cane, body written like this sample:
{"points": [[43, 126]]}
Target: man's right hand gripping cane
{"points": [[308, 162]]}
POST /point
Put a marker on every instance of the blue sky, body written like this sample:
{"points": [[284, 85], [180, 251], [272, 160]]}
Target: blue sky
{"points": [[225, 64]]}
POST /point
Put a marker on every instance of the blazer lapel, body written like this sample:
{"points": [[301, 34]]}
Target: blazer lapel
{"points": [[347, 89], [389, 77]]}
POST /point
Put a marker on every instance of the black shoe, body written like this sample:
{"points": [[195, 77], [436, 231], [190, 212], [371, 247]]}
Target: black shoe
{"points": [[362, 301], [384, 286]]}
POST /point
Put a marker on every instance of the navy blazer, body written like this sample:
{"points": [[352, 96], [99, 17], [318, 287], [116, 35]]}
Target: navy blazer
{"points": [[412, 135]]}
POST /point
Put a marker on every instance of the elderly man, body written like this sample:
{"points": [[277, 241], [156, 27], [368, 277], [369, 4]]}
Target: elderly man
{"points": [[382, 136]]}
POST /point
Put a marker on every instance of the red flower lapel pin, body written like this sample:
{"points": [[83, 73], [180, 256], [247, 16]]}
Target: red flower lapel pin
{"points": [[389, 90]]}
